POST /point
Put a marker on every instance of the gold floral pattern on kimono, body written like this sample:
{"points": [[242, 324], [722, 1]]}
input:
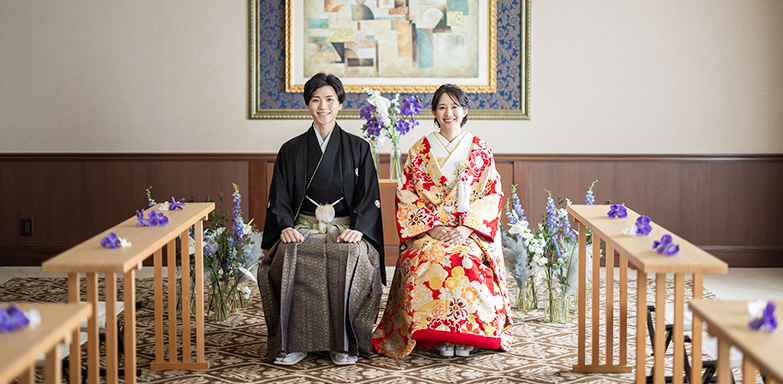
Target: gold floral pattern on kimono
{"points": [[447, 293]]}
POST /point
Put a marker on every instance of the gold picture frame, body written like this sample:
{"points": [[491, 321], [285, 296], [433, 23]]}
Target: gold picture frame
{"points": [[275, 94]]}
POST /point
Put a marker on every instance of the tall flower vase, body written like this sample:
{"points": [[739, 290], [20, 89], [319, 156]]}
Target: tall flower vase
{"points": [[395, 172], [558, 305], [219, 304], [527, 297]]}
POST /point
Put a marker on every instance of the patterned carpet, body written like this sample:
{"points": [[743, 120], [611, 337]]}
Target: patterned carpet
{"points": [[541, 353]]}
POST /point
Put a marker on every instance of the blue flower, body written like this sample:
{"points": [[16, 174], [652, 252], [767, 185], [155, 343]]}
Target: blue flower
{"points": [[666, 246], [176, 204], [617, 211], [766, 320], [643, 227]]}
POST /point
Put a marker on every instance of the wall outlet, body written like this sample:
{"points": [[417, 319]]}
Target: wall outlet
{"points": [[27, 227]]}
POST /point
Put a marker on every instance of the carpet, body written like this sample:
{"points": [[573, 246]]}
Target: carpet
{"points": [[541, 352]]}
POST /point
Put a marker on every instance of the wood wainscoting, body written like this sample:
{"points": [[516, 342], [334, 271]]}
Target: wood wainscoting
{"points": [[729, 205]]}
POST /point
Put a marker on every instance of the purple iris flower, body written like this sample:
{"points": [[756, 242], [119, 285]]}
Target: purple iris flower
{"points": [[666, 246], [153, 219], [163, 220], [767, 319], [643, 227], [176, 204], [12, 318], [140, 217], [111, 241], [366, 112], [617, 211], [410, 106]]}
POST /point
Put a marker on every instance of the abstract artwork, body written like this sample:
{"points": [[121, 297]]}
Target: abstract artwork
{"points": [[405, 46], [392, 45]]}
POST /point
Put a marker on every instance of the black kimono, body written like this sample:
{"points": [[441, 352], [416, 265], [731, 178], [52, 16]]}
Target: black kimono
{"points": [[319, 295]]}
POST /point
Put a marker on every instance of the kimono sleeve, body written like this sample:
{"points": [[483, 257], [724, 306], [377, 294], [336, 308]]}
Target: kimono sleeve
{"points": [[413, 216], [486, 202], [280, 211]]}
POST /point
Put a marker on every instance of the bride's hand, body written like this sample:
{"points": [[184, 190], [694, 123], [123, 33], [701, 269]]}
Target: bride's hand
{"points": [[456, 235], [438, 232]]}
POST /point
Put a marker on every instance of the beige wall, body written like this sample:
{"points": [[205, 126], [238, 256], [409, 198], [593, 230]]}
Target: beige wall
{"points": [[608, 76]]}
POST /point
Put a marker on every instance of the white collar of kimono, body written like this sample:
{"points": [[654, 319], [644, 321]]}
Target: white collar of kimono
{"points": [[323, 142], [450, 154]]}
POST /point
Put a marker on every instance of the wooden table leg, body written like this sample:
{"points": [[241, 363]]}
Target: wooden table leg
{"points": [[171, 278], [678, 336], [75, 355], [609, 283], [596, 310], [724, 362], [129, 291], [623, 310], [198, 233], [185, 294], [93, 350], [28, 376], [660, 327], [110, 280], [158, 267], [53, 366], [696, 335], [580, 362], [641, 327], [748, 372]]}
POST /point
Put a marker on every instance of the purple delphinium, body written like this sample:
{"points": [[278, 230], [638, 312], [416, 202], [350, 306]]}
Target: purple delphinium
{"points": [[551, 214], [767, 319], [374, 128], [666, 245], [236, 216], [366, 112], [643, 227], [410, 106], [617, 211], [589, 197]]}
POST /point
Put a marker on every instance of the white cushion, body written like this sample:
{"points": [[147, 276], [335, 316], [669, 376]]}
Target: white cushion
{"points": [[102, 314]]}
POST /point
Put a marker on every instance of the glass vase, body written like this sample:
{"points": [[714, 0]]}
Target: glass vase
{"points": [[236, 300], [558, 305], [192, 298], [527, 297], [219, 304], [395, 171], [376, 156]]}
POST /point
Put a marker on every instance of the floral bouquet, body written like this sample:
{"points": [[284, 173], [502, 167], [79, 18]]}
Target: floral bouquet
{"points": [[548, 254], [388, 119], [231, 252]]}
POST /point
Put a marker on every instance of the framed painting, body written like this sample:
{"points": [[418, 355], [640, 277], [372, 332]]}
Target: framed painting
{"points": [[394, 46]]}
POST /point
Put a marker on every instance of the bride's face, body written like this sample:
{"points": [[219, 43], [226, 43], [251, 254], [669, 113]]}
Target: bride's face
{"points": [[449, 114]]}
